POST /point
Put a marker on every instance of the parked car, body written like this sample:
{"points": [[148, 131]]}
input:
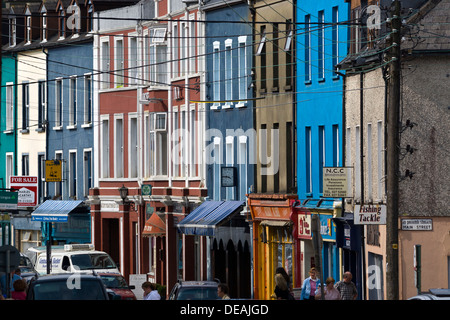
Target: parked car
{"points": [[118, 285], [433, 294], [72, 258], [194, 290], [27, 270], [68, 286]]}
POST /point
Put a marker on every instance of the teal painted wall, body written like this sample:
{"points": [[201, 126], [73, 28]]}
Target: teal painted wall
{"points": [[7, 138]]}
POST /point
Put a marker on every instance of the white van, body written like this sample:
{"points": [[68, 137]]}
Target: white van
{"points": [[72, 258]]}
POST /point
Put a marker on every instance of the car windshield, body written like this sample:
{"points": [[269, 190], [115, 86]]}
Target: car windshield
{"points": [[93, 261], [61, 290], [114, 281], [198, 293]]}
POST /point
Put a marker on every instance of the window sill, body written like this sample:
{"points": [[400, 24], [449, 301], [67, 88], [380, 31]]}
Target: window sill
{"points": [[10, 131], [215, 107], [228, 106], [24, 131], [241, 105], [71, 127], [40, 130], [86, 125], [57, 128]]}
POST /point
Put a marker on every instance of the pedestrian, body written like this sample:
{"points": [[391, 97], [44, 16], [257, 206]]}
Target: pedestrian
{"points": [[222, 291], [19, 292], [330, 292], [346, 287], [310, 285], [282, 285], [15, 275], [150, 292]]}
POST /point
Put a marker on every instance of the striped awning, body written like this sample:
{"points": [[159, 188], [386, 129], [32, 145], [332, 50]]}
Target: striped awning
{"points": [[210, 214], [55, 210]]}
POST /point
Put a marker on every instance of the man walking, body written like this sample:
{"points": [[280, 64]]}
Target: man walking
{"points": [[346, 287]]}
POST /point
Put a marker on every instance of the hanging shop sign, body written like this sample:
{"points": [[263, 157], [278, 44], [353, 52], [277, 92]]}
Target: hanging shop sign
{"points": [[370, 214], [336, 182]]}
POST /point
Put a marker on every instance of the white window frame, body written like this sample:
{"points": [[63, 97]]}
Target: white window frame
{"points": [[13, 32], [216, 75], [9, 167], [229, 159], [133, 61], [73, 105], [119, 151], [60, 185], [228, 80], [369, 162], [28, 27], [243, 165], [380, 160], [9, 107], [175, 51], [357, 163], [59, 97], [133, 151], [105, 62], [192, 43], [105, 151], [119, 62], [183, 49], [216, 168], [158, 58], [44, 24], [242, 71], [85, 172], [88, 100], [159, 157], [72, 175]]}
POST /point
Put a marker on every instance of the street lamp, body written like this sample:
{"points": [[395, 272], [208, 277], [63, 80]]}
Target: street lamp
{"points": [[123, 191]]}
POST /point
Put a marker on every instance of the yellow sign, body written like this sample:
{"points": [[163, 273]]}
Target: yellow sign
{"points": [[53, 171]]}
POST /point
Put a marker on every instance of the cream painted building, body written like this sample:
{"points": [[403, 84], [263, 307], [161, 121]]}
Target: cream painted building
{"points": [[31, 116]]}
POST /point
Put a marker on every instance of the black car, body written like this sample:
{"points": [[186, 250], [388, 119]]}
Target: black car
{"points": [[69, 286], [194, 290]]}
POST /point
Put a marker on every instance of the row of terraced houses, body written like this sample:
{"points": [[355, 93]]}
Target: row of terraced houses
{"points": [[195, 136]]}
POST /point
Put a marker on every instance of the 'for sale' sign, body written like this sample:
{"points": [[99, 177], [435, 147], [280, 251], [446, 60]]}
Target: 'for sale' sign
{"points": [[27, 190]]}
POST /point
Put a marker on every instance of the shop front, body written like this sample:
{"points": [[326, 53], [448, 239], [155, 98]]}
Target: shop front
{"points": [[273, 244], [349, 239], [302, 214], [223, 235]]}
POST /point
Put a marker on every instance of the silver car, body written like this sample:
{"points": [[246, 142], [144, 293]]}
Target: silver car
{"points": [[433, 294]]}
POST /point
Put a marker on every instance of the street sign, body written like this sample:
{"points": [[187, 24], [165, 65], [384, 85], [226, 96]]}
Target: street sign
{"points": [[8, 200], [53, 171], [146, 190], [27, 186]]}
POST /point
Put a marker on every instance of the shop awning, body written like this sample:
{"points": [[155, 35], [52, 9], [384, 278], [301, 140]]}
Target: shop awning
{"points": [[204, 219], [154, 226], [55, 210]]}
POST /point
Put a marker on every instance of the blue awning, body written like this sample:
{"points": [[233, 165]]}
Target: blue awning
{"points": [[204, 219], [55, 210]]}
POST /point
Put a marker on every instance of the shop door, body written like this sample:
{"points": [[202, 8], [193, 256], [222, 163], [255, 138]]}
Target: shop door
{"points": [[110, 239]]}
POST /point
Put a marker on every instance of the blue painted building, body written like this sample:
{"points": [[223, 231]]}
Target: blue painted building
{"points": [[230, 137], [70, 131], [321, 44]]}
